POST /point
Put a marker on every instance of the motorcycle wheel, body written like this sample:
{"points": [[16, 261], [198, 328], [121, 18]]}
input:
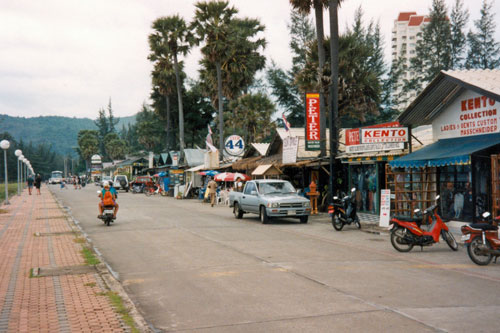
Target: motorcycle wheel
{"points": [[148, 193], [396, 240], [108, 222], [356, 222], [474, 251], [337, 223], [163, 193], [450, 240]]}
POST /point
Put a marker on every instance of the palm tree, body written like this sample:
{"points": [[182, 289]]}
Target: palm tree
{"points": [[211, 23], [304, 7], [171, 39]]}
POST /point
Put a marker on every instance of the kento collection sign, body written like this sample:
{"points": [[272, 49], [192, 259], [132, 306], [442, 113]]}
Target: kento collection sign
{"points": [[384, 135], [312, 121], [353, 139], [234, 145], [470, 114]]}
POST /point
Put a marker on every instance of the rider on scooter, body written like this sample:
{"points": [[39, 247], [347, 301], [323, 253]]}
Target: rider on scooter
{"points": [[102, 195]]}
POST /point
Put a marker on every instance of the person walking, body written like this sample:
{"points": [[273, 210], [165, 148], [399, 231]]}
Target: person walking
{"points": [[30, 182], [212, 190], [38, 183], [79, 181]]}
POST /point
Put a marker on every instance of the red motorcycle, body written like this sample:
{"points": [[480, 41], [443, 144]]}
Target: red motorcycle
{"points": [[407, 232], [482, 240]]}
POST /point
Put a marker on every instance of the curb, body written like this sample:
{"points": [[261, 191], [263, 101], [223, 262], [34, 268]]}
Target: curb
{"points": [[106, 273]]}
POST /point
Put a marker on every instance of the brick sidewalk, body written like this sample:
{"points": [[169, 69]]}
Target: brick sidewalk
{"points": [[34, 232]]}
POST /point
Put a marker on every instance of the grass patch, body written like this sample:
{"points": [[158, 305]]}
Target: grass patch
{"points": [[12, 188], [89, 257], [90, 284], [117, 303], [79, 240], [31, 273], [3, 211]]}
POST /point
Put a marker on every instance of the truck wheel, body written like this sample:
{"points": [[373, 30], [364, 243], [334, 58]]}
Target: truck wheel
{"points": [[303, 219], [238, 213], [263, 215]]}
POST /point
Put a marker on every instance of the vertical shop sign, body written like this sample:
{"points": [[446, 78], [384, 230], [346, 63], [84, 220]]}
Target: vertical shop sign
{"points": [[312, 121], [290, 146], [385, 207]]}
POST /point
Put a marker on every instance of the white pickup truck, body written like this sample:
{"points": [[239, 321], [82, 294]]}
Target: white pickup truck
{"points": [[270, 198]]}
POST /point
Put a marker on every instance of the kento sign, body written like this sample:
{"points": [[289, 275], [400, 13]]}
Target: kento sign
{"points": [[312, 121], [470, 114], [380, 135], [352, 135]]}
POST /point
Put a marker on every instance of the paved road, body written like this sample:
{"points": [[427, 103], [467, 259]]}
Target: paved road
{"points": [[190, 267]]}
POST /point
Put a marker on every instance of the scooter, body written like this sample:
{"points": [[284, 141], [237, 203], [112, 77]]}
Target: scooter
{"points": [[406, 232], [155, 190], [482, 240], [107, 214], [138, 188], [343, 211]]}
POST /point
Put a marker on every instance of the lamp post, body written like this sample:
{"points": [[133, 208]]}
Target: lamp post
{"points": [[20, 161], [25, 170], [4, 144], [18, 153]]}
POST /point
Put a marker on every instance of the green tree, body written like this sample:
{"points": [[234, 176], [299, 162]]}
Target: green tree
{"points": [[211, 24], [149, 130], [171, 39], [305, 6], [433, 52], [199, 113], [116, 148], [483, 49], [88, 145], [283, 88], [252, 113], [103, 129], [112, 120], [459, 17]]}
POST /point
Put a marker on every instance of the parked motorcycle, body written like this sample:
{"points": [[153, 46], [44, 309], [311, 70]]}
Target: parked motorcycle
{"points": [[406, 232], [343, 211], [155, 190], [138, 188], [482, 240]]}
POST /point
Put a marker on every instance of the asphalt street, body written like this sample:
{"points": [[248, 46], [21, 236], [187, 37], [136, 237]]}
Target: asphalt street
{"points": [[190, 267]]}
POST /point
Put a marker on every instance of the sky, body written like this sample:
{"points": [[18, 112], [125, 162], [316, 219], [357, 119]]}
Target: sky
{"points": [[71, 57]]}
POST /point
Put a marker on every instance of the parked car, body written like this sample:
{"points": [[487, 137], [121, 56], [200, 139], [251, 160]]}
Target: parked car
{"points": [[146, 180], [269, 198], [121, 183]]}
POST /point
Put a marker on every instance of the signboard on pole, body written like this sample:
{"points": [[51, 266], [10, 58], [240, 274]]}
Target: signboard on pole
{"points": [[385, 208], [234, 145], [290, 146], [312, 121], [383, 135]]}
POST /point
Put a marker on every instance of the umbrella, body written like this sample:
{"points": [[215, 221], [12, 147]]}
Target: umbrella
{"points": [[231, 177], [210, 173]]}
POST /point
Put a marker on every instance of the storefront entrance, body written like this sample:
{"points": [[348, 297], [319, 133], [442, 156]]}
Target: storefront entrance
{"points": [[364, 177]]}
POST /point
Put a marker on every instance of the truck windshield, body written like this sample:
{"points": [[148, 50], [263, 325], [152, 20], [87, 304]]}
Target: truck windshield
{"points": [[276, 188]]}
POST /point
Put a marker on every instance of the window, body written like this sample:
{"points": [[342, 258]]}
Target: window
{"points": [[249, 188]]}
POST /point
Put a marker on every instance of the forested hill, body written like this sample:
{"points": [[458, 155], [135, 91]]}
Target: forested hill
{"points": [[60, 132]]}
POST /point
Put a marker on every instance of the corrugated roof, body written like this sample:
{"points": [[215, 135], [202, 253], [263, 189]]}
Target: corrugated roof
{"points": [[261, 148], [194, 157], [445, 88], [405, 16]]}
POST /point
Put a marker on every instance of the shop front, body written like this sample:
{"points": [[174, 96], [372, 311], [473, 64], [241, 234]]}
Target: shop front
{"points": [[462, 164]]}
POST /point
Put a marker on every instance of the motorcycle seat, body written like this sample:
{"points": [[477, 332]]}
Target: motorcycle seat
{"points": [[408, 219], [483, 226], [109, 207]]}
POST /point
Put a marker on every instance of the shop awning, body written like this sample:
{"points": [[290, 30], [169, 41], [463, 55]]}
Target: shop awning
{"points": [[454, 151]]}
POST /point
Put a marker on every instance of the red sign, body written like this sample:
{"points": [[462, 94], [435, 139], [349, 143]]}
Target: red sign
{"points": [[352, 135], [378, 135], [312, 121]]}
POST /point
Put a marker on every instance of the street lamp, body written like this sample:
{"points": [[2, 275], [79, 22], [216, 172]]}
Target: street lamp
{"points": [[4, 144], [20, 159], [18, 153]]}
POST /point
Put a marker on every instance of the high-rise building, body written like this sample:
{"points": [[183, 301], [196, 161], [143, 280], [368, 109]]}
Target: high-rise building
{"points": [[405, 34]]}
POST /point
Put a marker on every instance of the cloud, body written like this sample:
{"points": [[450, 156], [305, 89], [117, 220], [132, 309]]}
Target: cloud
{"points": [[68, 57]]}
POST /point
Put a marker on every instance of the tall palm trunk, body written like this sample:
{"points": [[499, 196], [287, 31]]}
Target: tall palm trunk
{"points": [[318, 11], [334, 88], [221, 111], [179, 98], [168, 126]]}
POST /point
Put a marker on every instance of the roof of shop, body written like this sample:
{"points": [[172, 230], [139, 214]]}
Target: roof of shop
{"points": [[445, 88], [261, 148], [266, 169], [454, 151], [196, 168], [194, 157]]}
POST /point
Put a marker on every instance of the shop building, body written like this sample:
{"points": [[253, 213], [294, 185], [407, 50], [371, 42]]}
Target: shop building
{"points": [[462, 165]]}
